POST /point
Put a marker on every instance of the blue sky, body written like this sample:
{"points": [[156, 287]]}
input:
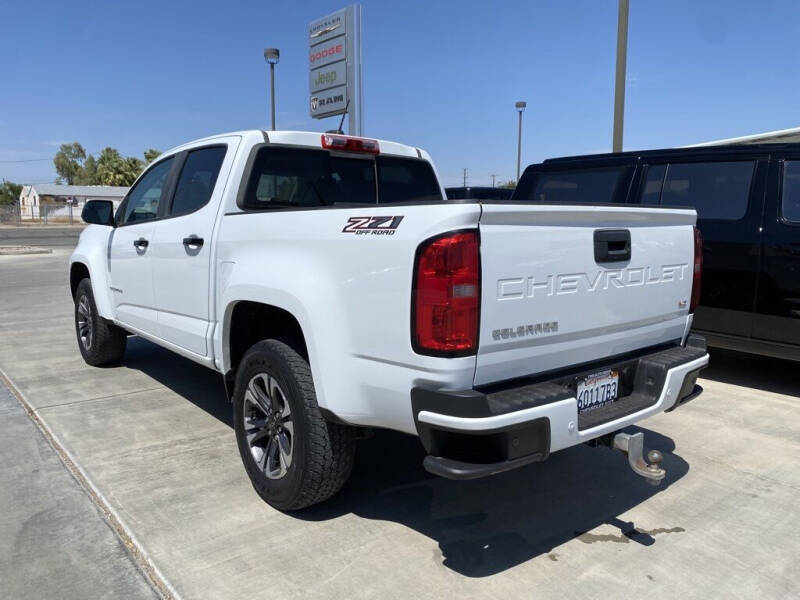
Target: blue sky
{"points": [[440, 75]]}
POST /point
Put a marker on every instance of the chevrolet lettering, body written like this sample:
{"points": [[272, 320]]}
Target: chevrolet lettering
{"points": [[572, 283]]}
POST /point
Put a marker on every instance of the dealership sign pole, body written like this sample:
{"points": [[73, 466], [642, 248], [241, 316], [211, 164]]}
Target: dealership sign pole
{"points": [[335, 74]]}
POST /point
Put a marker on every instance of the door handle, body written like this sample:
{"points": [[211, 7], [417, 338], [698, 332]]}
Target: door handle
{"points": [[140, 244], [612, 245], [193, 240]]}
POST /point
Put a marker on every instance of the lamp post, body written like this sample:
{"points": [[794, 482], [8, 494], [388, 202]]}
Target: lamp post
{"points": [[520, 106], [272, 56], [619, 84]]}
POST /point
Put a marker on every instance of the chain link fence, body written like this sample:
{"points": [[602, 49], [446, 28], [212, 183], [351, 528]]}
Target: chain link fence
{"points": [[45, 214]]}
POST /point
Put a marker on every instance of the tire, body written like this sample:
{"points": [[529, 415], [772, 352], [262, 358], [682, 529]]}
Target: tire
{"points": [[293, 456], [100, 341]]}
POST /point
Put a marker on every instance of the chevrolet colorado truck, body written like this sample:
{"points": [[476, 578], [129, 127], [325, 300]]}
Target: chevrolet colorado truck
{"points": [[335, 288]]}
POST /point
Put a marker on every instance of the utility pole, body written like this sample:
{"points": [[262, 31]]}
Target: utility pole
{"points": [[493, 175], [465, 177], [619, 87]]}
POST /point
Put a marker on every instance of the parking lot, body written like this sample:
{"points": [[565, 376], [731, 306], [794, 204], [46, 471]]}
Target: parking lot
{"points": [[153, 442]]}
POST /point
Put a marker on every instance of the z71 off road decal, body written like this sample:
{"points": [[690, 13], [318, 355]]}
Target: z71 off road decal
{"points": [[372, 225]]}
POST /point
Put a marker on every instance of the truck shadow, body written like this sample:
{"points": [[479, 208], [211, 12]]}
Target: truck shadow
{"points": [[197, 384], [487, 526], [482, 527], [753, 371]]}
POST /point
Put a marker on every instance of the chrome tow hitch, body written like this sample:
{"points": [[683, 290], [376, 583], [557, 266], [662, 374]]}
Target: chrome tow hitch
{"points": [[633, 446]]}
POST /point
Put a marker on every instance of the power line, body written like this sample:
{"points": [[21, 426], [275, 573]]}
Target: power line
{"points": [[27, 160]]}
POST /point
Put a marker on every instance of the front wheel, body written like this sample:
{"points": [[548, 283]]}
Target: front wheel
{"points": [[100, 341], [293, 456]]}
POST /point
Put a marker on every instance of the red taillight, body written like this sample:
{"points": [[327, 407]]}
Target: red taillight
{"points": [[349, 144], [697, 273], [446, 297]]}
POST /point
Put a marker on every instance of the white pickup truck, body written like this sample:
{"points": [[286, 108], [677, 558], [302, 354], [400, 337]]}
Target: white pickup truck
{"points": [[334, 287]]}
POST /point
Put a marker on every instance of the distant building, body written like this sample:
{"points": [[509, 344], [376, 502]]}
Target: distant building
{"points": [[782, 136], [59, 198]]}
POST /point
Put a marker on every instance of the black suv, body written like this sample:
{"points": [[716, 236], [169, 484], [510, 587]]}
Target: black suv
{"points": [[748, 209]]}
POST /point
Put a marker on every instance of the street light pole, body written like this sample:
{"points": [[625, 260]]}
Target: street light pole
{"points": [[272, 56], [520, 106], [619, 87]]}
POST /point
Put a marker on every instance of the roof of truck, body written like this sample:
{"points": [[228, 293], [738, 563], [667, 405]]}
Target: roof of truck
{"points": [[727, 149], [311, 139]]}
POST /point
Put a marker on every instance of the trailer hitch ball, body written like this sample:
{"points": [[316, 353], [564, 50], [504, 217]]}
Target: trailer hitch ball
{"points": [[632, 445]]}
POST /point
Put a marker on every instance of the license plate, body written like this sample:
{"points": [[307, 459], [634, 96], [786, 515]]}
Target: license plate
{"points": [[598, 389]]}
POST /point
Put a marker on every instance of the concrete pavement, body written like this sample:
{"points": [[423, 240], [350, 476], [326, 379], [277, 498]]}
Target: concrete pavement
{"points": [[154, 438], [54, 543]]}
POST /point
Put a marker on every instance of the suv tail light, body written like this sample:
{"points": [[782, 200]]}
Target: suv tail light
{"points": [[346, 143], [446, 295], [697, 274]]}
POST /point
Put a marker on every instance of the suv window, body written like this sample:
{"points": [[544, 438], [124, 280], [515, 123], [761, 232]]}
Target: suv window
{"points": [[143, 200], [197, 180], [584, 186], [790, 203], [717, 190], [651, 193], [295, 177]]}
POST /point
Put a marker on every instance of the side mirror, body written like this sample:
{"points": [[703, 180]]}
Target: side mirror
{"points": [[98, 212]]}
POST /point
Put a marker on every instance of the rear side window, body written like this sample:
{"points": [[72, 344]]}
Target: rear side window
{"points": [[717, 190], [293, 177], [790, 203], [198, 178], [584, 186]]}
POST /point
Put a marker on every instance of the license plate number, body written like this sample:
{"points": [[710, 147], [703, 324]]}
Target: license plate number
{"points": [[598, 389]]}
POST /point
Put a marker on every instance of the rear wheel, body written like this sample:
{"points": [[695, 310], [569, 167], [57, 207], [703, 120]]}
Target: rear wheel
{"points": [[99, 340], [293, 456]]}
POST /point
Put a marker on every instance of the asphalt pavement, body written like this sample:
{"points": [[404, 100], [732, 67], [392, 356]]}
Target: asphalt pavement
{"points": [[154, 439], [49, 236]]}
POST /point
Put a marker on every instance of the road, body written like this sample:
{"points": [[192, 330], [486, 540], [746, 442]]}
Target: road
{"points": [[154, 438], [40, 235]]}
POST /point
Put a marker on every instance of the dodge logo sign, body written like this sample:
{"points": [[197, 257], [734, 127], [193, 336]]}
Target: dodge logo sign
{"points": [[314, 103]]}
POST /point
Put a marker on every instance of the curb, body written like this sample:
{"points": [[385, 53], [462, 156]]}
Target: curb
{"points": [[17, 250], [141, 558]]}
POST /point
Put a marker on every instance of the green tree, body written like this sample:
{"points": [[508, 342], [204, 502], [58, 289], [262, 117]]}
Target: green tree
{"points": [[110, 167], [509, 185], [68, 161], [150, 155], [9, 193], [88, 172]]}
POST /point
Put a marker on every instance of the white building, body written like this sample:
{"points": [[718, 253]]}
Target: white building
{"points": [[782, 136], [60, 199]]}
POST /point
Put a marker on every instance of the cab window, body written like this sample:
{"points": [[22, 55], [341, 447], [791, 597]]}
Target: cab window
{"points": [[144, 198]]}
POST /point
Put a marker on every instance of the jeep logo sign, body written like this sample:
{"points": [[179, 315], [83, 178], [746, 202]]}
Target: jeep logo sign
{"points": [[334, 66], [328, 77]]}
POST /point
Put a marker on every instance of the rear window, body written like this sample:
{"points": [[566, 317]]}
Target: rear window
{"points": [[293, 177], [717, 190], [583, 186]]}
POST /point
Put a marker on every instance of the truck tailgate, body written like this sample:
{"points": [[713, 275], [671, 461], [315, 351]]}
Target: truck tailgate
{"points": [[559, 289]]}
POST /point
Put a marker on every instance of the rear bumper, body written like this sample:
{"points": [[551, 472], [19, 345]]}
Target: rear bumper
{"points": [[474, 433]]}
